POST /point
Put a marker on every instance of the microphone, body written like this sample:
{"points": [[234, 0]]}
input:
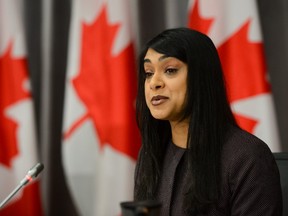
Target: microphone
{"points": [[31, 174]]}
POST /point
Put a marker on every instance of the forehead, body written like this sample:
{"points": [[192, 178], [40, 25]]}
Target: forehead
{"points": [[153, 56]]}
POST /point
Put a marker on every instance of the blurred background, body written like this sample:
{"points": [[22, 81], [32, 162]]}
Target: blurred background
{"points": [[68, 84]]}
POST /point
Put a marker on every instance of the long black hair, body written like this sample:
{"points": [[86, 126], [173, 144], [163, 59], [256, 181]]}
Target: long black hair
{"points": [[207, 107]]}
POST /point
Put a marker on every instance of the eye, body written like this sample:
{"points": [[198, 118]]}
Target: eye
{"points": [[148, 74], [171, 71]]}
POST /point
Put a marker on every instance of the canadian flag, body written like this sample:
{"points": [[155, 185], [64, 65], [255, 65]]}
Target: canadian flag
{"points": [[17, 131], [100, 136], [235, 30]]}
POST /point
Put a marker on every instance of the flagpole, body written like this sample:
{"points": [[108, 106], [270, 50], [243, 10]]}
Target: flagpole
{"points": [[45, 103]]}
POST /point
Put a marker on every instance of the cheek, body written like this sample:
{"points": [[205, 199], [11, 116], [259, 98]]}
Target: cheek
{"points": [[182, 95], [179, 88]]}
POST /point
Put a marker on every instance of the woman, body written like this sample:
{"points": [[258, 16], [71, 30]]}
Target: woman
{"points": [[194, 157]]}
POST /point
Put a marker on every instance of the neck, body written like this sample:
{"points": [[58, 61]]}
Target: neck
{"points": [[179, 133]]}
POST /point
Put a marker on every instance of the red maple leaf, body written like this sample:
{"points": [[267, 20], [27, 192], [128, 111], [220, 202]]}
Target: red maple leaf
{"points": [[244, 65], [195, 21], [13, 73], [107, 86]]}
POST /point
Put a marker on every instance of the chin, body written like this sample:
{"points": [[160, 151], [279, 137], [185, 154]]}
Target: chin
{"points": [[160, 117], [157, 116]]}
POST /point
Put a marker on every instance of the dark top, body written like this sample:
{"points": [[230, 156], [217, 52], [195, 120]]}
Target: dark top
{"points": [[250, 182]]}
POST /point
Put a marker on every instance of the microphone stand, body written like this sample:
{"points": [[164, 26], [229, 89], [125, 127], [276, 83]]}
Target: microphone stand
{"points": [[11, 195], [32, 173]]}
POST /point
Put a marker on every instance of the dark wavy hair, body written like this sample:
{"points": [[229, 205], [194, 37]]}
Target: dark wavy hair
{"points": [[208, 108]]}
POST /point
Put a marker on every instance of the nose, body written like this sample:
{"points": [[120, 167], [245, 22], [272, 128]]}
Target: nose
{"points": [[156, 82]]}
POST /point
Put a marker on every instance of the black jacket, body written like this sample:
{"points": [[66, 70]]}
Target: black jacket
{"points": [[250, 179]]}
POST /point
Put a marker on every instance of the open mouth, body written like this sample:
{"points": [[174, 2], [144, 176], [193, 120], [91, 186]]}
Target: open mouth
{"points": [[159, 99]]}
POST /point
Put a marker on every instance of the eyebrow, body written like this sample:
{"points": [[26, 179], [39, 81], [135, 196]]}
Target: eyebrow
{"points": [[161, 58]]}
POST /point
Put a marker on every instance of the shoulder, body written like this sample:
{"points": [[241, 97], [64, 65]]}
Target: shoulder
{"points": [[248, 162], [250, 175], [243, 146], [246, 158]]}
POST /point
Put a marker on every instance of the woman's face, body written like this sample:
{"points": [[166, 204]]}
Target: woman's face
{"points": [[165, 85]]}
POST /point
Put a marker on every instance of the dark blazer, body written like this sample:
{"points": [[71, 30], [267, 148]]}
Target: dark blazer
{"points": [[250, 179]]}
